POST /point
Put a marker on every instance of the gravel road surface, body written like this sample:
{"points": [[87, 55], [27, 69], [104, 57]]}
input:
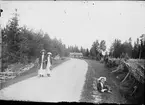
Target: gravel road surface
{"points": [[65, 84]]}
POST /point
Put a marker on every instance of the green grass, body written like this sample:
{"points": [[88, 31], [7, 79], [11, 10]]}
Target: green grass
{"points": [[58, 62], [95, 70], [30, 73]]}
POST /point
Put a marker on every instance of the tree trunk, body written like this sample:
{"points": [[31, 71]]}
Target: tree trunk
{"points": [[0, 50], [125, 77], [140, 54]]}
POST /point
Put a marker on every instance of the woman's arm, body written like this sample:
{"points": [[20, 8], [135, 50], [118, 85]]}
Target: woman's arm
{"points": [[51, 60], [102, 90], [103, 87]]}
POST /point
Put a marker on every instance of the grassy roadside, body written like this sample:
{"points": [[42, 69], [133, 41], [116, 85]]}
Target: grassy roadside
{"points": [[58, 62], [30, 73], [95, 70], [86, 95]]}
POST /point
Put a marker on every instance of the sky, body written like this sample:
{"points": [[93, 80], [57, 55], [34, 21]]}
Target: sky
{"points": [[80, 22]]}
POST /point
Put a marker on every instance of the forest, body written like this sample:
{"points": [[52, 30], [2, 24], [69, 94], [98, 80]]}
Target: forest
{"points": [[22, 44]]}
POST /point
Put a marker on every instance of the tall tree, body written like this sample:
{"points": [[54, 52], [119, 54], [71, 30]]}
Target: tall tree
{"points": [[126, 47], [135, 51], [142, 46], [102, 46], [95, 49], [87, 52], [116, 47], [12, 33]]}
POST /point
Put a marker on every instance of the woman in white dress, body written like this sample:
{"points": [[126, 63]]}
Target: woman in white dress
{"points": [[41, 71], [48, 64]]}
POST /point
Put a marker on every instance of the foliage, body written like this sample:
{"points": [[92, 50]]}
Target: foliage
{"points": [[130, 73], [21, 44], [103, 45], [97, 48], [119, 49]]}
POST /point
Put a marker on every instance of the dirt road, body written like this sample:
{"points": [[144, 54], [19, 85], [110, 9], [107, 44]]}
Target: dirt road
{"points": [[65, 84]]}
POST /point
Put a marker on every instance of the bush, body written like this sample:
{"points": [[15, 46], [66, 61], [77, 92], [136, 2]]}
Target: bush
{"points": [[112, 62]]}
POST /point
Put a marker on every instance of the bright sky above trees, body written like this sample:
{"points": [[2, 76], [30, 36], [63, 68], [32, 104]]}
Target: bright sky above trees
{"points": [[81, 23]]}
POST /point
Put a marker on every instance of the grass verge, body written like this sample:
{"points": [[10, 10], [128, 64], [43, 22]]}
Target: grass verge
{"points": [[95, 70]]}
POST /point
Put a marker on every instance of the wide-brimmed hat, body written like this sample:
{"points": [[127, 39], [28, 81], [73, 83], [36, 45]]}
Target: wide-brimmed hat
{"points": [[49, 53], [99, 79], [42, 51]]}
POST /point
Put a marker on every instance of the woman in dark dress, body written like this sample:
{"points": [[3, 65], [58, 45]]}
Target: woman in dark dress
{"points": [[101, 85]]}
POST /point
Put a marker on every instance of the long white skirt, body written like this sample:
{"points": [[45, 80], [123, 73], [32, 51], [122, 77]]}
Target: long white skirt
{"points": [[48, 69], [41, 72]]}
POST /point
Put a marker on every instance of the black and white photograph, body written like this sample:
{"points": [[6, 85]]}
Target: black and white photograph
{"points": [[72, 51]]}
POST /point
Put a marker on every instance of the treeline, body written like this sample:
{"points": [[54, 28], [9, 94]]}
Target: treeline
{"points": [[95, 51], [21, 44], [75, 48], [119, 49]]}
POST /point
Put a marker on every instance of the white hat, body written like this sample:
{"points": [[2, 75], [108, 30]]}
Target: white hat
{"points": [[102, 78], [42, 50], [49, 53]]}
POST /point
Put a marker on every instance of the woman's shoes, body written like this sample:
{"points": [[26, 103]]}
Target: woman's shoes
{"points": [[48, 75], [109, 91]]}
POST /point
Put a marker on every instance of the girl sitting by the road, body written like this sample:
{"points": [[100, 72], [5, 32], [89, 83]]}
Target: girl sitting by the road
{"points": [[101, 85]]}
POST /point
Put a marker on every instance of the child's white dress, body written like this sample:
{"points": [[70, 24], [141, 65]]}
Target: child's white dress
{"points": [[41, 71], [48, 66]]}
